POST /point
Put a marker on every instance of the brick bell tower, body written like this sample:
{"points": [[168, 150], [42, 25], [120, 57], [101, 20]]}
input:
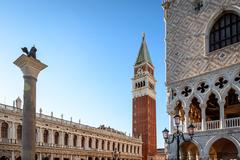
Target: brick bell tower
{"points": [[144, 102]]}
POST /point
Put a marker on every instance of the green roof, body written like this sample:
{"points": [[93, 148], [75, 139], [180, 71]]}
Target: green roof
{"points": [[143, 55]]}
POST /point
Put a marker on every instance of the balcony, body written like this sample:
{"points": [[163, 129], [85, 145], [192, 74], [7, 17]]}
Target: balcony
{"points": [[215, 125]]}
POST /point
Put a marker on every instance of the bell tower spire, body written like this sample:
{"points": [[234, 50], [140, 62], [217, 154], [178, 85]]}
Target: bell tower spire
{"points": [[144, 101]]}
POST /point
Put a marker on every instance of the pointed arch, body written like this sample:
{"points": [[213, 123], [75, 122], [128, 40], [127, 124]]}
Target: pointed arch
{"points": [[195, 111], [195, 143], [225, 92], [199, 98], [217, 94], [176, 100], [218, 137], [213, 19]]}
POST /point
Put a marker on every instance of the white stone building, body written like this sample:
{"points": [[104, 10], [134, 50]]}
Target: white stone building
{"points": [[59, 139], [203, 76]]}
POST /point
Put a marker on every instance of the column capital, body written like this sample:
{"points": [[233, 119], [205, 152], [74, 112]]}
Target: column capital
{"points": [[29, 65]]}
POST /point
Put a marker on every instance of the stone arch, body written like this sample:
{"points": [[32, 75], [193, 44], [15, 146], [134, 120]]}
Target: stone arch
{"points": [[19, 132], [75, 140], [213, 108], [218, 137], [231, 104], [45, 136], [217, 94], [179, 109], [66, 138], [212, 20], [4, 158], [190, 146], [195, 111], [19, 158], [225, 92], [199, 98], [5, 130], [56, 138], [83, 142], [176, 100]]}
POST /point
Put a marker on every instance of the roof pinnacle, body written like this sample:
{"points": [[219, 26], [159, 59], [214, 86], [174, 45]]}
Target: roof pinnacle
{"points": [[143, 36], [143, 54]]}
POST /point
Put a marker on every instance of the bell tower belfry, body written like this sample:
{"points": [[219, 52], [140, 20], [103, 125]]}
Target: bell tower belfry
{"points": [[144, 101]]}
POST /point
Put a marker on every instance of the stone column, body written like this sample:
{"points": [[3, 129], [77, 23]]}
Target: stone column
{"points": [[79, 138], [30, 68], [13, 155], [86, 143], [41, 136], [40, 156], [51, 158], [50, 137], [61, 139], [203, 110], [93, 143], [13, 132], [186, 117], [222, 119], [171, 126], [70, 140]]}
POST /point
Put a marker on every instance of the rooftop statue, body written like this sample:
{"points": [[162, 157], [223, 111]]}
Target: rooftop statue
{"points": [[32, 52]]}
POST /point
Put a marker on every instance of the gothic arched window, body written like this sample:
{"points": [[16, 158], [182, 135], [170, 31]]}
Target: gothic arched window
{"points": [[4, 130], [225, 31], [19, 132]]}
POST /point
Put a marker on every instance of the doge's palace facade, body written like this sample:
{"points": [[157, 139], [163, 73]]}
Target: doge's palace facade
{"points": [[203, 76], [59, 139]]}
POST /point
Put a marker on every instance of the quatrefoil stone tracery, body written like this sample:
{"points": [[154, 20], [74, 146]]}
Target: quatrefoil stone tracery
{"points": [[237, 79], [186, 92], [221, 82], [202, 87]]}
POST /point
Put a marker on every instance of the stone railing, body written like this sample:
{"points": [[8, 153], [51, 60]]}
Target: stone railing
{"points": [[232, 122], [211, 125], [198, 126]]}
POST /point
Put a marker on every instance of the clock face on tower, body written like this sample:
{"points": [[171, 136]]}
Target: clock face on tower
{"points": [[139, 72]]}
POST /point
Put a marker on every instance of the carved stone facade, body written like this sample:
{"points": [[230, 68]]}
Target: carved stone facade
{"points": [[203, 82], [59, 139]]}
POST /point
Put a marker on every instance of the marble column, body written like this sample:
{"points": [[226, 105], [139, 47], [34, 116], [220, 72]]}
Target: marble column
{"points": [[222, 119], [186, 119], [203, 112], [30, 68]]}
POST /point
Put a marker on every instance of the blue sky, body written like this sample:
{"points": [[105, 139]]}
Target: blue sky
{"points": [[90, 48]]}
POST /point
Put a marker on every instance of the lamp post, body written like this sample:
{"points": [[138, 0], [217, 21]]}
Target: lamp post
{"points": [[178, 134], [116, 154]]}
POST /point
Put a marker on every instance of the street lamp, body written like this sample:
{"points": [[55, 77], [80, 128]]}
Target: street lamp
{"points": [[178, 134], [116, 154]]}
